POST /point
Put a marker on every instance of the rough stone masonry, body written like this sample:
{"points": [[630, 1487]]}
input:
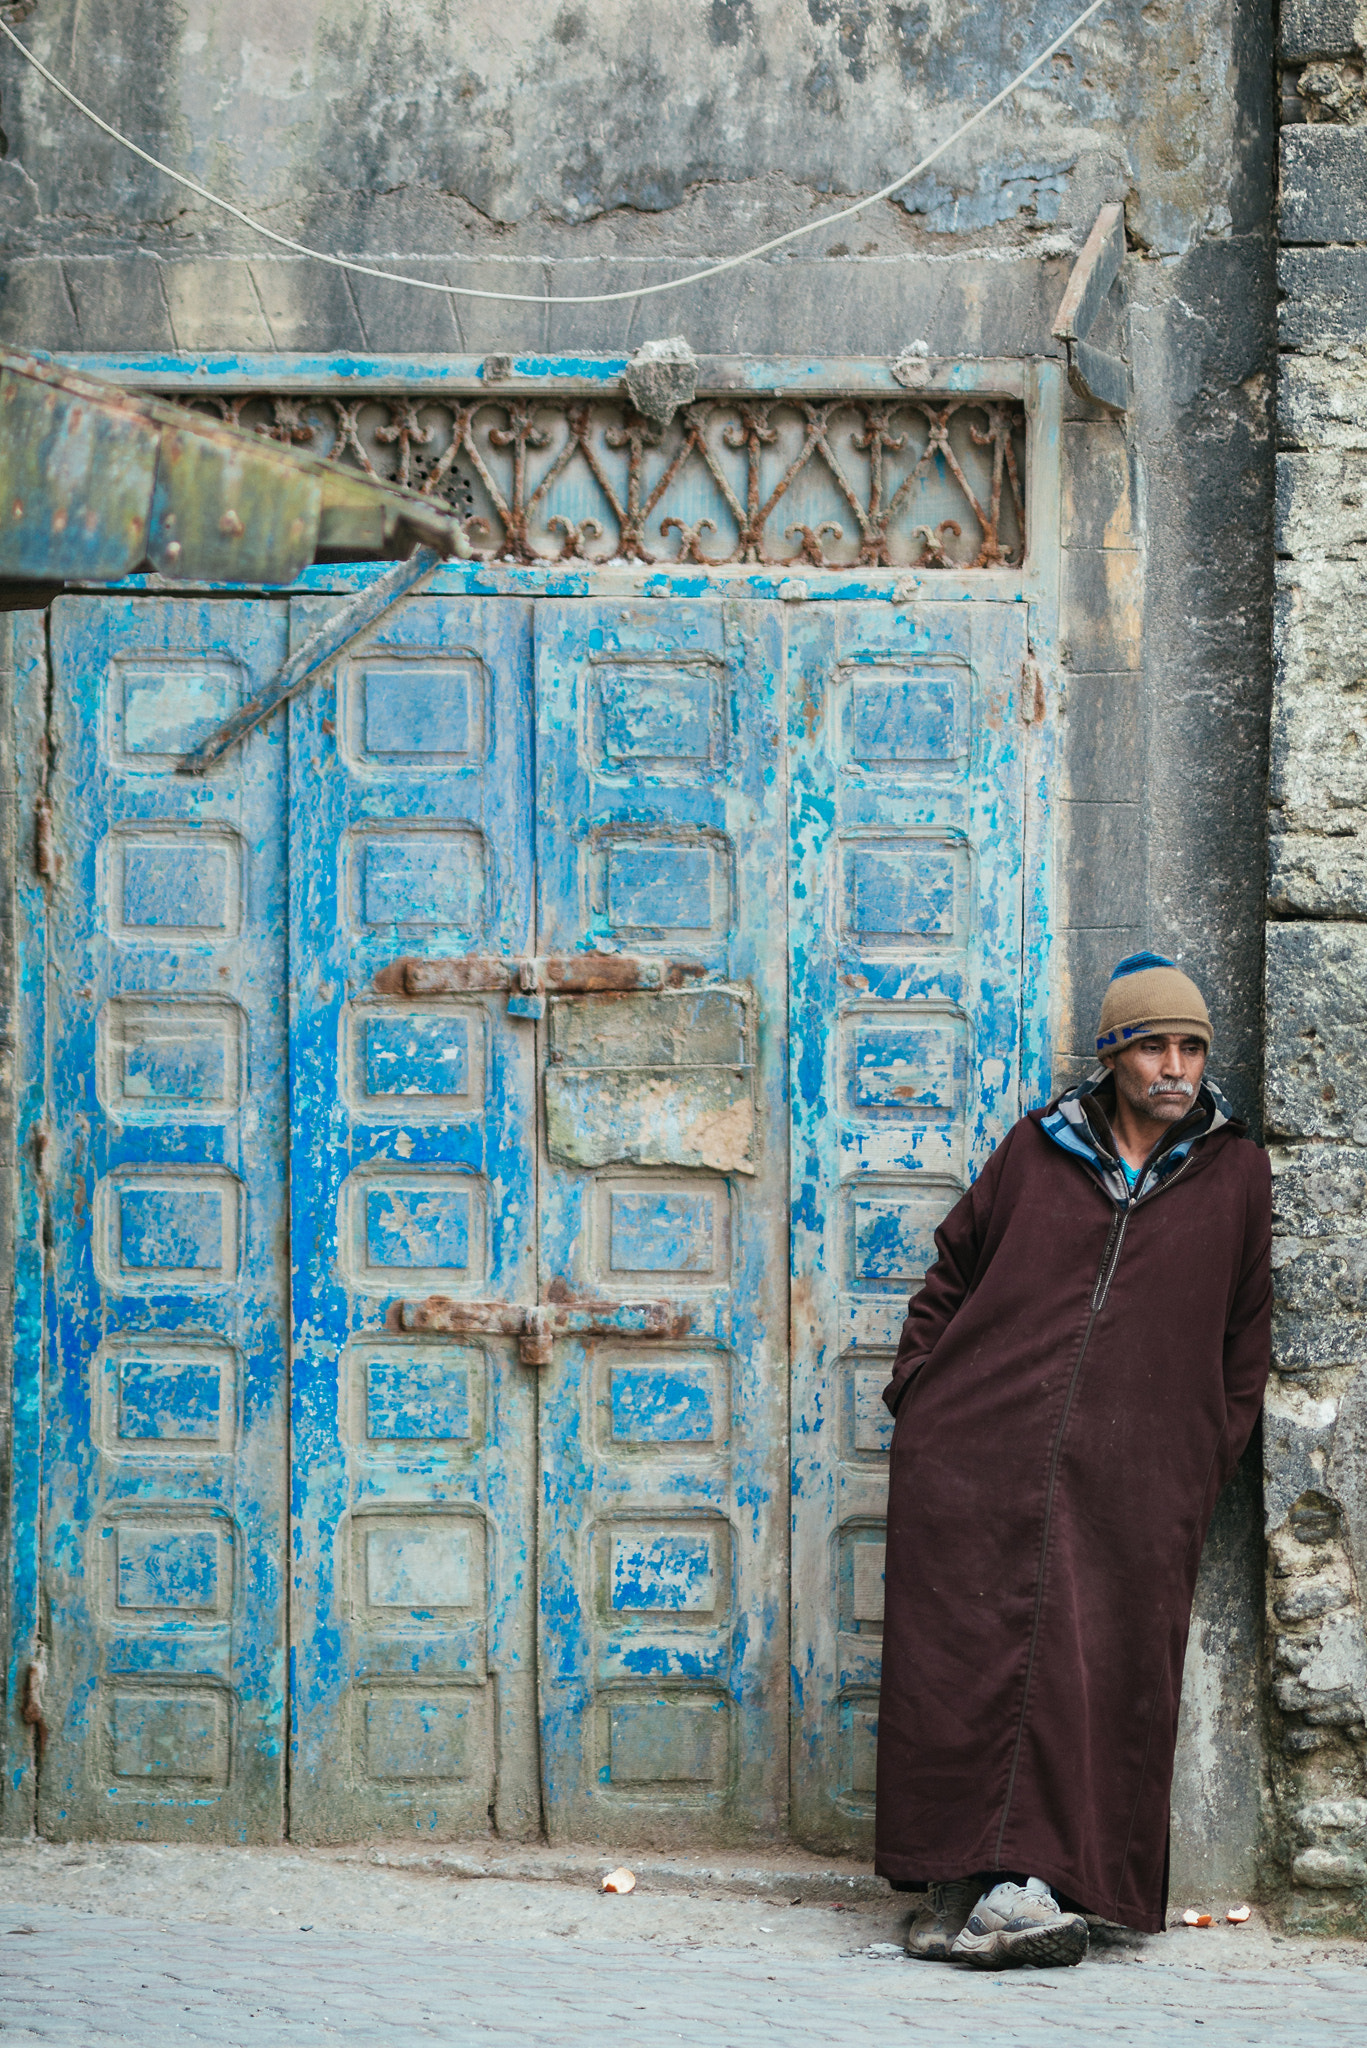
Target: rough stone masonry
{"points": [[1316, 1424]]}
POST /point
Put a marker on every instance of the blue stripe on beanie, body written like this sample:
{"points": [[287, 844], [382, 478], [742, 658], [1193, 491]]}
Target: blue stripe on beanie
{"points": [[1134, 963]]}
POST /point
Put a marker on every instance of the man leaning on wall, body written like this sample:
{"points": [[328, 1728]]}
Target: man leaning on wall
{"points": [[1074, 1385]]}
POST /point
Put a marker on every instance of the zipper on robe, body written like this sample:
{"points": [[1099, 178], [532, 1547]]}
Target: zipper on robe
{"points": [[1110, 1259]]}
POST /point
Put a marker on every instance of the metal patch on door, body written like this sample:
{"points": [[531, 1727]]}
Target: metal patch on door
{"points": [[651, 1080]]}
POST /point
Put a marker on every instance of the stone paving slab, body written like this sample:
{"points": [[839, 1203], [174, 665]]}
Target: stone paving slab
{"points": [[85, 1980]]}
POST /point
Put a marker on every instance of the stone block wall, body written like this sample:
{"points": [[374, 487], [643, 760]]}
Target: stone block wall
{"points": [[1316, 1093], [1102, 884]]}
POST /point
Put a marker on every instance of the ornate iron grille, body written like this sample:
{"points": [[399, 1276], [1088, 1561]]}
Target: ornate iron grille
{"points": [[914, 482]]}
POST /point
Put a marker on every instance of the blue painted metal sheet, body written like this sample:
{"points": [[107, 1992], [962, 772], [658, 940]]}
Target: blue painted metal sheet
{"points": [[412, 1171], [663, 1581], [164, 1435], [905, 916]]}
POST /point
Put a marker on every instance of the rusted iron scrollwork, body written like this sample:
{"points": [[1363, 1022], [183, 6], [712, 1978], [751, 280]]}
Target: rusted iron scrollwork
{"points": [[921, 481]]}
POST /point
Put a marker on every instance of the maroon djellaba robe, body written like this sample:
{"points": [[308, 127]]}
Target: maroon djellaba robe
{"points": [[1074, 1385]]}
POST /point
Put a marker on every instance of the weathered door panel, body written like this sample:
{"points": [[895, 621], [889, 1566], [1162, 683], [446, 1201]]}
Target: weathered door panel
{"points": [[24, 752], [905, 923], [191, 921], [413, 1169], [662, 1532], [165, 1406]]}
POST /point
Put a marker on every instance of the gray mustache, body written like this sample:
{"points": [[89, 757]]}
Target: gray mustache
{"points": [[1172, 1088]]}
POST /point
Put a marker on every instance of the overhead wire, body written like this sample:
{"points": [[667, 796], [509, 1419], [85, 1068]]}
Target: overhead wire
{"points": [[644, 291]]}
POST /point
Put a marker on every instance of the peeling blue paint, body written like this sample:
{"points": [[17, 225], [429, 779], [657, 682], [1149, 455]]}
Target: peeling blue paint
{"points": [[413, 1133], [164, 1426], [665, 834], [478, 780], [907, 843]]}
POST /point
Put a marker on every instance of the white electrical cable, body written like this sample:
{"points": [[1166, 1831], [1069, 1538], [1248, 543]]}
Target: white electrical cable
{"points": [[644, 291]]}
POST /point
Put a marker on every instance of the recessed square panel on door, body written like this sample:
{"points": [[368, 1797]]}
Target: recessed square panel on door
{"points": [[900, 894], [181, 1058], [157, 710], [662, 1530], [417, 1060], [907, 843], [159, 1397], [165, 1346], [409, 1397], [904, 1078], [657, 715], [415, 713], [414, 1176]]}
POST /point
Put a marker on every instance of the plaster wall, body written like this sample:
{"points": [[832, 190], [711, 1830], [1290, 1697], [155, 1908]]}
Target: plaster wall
{"points": [[560, 149]]}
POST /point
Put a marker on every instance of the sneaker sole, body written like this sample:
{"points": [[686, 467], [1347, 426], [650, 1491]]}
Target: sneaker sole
{"points": [[1040, 1948]]}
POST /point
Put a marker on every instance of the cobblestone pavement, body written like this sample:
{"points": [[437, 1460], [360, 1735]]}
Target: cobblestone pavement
{"points": [[489, 1960]]}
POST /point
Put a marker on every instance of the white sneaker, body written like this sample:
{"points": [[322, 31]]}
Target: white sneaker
{"points": [[1014, 1924], [937, 1924]]}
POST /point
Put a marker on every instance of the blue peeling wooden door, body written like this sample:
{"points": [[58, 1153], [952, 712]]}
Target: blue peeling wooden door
{"points": [[291, 1104], [662, 1535], [413, 1173], [907, 808], [164, 1434]]}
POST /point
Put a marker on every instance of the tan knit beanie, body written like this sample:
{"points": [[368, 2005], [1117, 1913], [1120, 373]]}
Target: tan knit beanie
{"points": [[1150, 993]]}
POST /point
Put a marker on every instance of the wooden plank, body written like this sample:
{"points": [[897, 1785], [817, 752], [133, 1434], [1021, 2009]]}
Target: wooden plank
{"points": [[356, 616], [662, 1523], [413, 1169], [1092, 275]]}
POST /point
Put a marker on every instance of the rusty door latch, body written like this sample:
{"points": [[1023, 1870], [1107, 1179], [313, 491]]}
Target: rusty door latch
{"points": [[528, 982], [31, 1710], [536, 1328], [44, 851]]}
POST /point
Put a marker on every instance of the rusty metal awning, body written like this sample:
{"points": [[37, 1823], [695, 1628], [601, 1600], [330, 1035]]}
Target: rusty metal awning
{"points": [[97, 483]]}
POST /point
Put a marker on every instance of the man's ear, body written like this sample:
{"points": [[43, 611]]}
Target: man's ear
{"points": [[1107, 1060]]}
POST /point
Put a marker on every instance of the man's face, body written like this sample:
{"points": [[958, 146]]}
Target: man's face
{"points": [[1159, 1075]]}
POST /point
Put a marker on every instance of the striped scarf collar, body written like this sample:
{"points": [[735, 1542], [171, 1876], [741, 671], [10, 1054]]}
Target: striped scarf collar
{"points": [[1079, 1123]]}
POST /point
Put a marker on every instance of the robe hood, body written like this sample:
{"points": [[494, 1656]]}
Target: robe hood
{"points": [[1079, 1122]]}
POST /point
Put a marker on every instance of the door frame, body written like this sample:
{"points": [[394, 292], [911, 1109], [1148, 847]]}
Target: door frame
{"points": [[1037, 382]]}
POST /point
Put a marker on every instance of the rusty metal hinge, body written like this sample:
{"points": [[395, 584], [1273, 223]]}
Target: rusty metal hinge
{"points": [[44, 850], [31, 1708], [40, 1138], [536, 1328], [1033, 701]]}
